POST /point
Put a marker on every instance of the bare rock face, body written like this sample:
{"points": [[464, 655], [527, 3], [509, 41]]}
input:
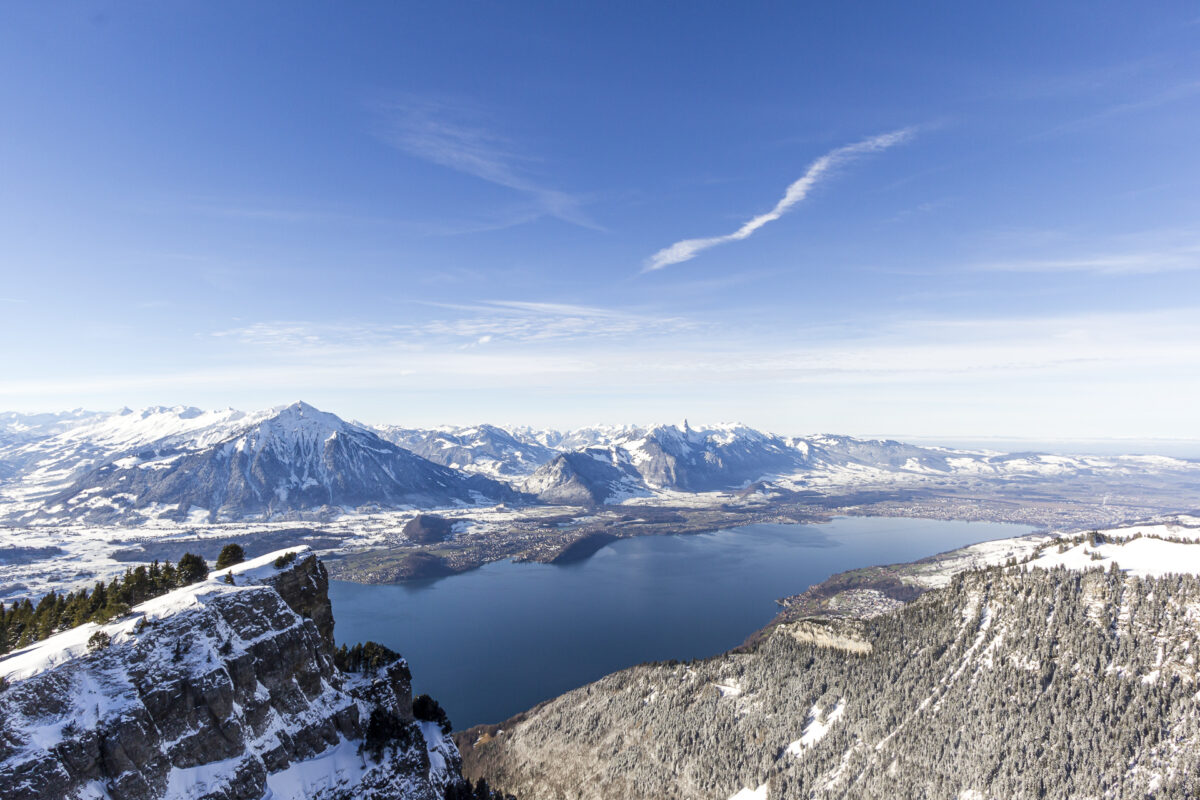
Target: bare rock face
{"points": [[306, 591], [845, 635], [215, 691]]}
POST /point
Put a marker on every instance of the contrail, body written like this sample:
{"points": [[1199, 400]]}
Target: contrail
{"points": [[687, 249]]}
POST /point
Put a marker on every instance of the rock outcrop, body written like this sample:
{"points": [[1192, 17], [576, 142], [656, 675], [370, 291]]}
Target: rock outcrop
{"points": [[220, 691]]}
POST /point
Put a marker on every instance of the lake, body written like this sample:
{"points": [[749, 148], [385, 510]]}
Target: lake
{"points": [[495, 641]]}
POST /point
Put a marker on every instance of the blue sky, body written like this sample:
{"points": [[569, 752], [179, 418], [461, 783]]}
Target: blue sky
{"points": [[909, 219]]}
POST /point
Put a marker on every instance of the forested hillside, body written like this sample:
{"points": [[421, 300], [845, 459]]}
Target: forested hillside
{"points": [[1006, 684]]}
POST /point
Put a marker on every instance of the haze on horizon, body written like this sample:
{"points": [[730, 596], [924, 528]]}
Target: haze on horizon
{"points": [[952, 222]]}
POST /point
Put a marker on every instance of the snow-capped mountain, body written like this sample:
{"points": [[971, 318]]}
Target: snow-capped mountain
{"points": [[585, 477], [831, 452], [47, 453], [292, 459], [175, 462], [483, 449], [726, 457], [578, 438], [17, 428]]}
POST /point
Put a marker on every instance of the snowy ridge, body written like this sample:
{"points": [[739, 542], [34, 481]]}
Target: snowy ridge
{"points": [[213, 690], [481, 449], [292, 459], [51, 454], [125, 467], [70, 644]]}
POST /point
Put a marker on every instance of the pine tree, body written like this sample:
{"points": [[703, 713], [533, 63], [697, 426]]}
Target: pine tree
{"points": [[230, 554], [192, 569]]}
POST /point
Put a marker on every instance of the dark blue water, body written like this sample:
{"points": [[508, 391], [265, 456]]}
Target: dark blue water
{"points": [[500, 639]]}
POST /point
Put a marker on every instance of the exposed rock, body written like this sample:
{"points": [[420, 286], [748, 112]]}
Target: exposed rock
{"points": [[219, 691], [843, 635], [305, 588]]}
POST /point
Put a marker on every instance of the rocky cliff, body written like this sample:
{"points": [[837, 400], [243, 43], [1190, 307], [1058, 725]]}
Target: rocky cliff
{"points": [[221, 691]]}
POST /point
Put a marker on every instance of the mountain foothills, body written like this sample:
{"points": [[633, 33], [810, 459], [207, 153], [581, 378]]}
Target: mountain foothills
{"points": [[1069, 674], [226, 688], [187, 465]]}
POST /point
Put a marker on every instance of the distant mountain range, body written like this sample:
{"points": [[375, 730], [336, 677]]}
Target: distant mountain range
{"points": [[186, 464]]}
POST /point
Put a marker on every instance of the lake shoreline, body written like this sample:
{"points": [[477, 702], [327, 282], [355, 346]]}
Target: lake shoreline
{"points": [[541, 629]]}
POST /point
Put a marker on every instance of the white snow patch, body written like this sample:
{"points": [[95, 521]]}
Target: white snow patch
{"points": [[816, 728], [1144, 557], [752, 794], [340, 765]]}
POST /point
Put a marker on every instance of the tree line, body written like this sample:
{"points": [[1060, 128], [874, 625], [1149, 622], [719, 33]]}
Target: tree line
{"points": [[22, 622]]}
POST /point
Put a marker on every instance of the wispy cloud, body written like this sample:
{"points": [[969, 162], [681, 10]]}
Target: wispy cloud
{"points": [[1017, 375], [450, 135], [1123, 262], [687, 249], [1172, 94], [999, 352], [498, 220], [490, 322]]}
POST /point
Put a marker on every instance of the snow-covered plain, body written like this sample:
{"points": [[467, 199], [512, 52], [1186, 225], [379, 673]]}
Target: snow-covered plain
{"points": [[1144, 557]]}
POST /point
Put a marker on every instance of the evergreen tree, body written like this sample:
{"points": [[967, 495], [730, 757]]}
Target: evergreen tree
{"points": [[427, 709], [192, 569], [230, 554]]}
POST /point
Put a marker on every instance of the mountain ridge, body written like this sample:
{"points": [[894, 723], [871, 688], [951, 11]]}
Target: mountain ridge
{"points": [[168, 462]]}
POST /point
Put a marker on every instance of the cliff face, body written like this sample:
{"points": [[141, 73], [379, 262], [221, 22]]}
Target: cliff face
{"points": [[215, 691]]}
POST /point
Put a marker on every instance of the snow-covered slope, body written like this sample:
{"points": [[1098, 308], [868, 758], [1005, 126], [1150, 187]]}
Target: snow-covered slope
{"points": [[831, 452], [47, 455], [577, 438], [178, 462], [17, 429], [688, 459], [586, 477], [484, 449], [215, 690], [292, 459]]}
